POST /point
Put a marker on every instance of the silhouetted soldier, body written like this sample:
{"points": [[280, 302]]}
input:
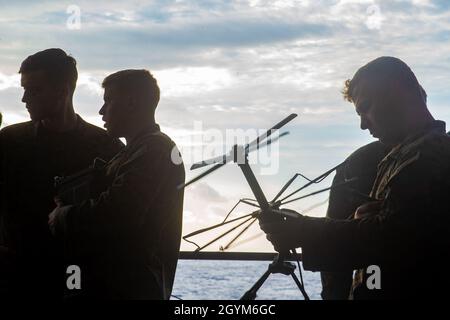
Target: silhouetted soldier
{"points": [[55, 142], [134, 226], [405, 232], [362, 165]]}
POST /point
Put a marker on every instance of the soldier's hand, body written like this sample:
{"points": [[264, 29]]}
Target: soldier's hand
{"points": [[368, 209], [56, 219], [58, 201], [52, 220], [284, 232]]}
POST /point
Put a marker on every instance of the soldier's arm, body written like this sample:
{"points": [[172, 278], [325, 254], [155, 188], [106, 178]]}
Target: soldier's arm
{"points": [[123, 206], [413, 214]]}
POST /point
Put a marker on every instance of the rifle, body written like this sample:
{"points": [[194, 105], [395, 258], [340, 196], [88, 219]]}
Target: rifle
{"points": [[81, 186]]}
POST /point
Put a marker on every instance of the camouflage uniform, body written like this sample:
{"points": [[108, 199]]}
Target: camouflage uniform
{"points": [[30, 158], [409, 236], [127, 240]]}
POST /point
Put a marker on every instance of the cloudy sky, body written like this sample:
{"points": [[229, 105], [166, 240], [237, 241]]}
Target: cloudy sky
{"points": [[225, 66]]}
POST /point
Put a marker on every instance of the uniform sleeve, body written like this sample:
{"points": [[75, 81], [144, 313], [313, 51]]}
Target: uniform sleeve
{"points": [[124, 207], [415, 215]]}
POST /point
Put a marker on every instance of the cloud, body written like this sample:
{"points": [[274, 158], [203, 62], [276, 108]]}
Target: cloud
{"points": [[187, 81], [205, 192], [9, 81], [91, 83]]}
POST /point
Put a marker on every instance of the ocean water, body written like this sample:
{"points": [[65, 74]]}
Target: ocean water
{"points": [[229, 280]]}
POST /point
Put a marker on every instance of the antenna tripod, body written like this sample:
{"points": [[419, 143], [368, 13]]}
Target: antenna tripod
{"points": [[239, 155], [266, 210], [279, 265]]}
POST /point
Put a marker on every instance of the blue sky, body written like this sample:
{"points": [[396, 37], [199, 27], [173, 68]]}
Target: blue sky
{"points": [[236, 65]]}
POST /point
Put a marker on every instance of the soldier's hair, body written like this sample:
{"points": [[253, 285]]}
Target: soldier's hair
{"points": [[381, 70], [136, 82], [59, 67]]}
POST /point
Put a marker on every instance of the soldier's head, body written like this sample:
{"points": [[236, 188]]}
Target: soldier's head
{"points": [[48, 78], [388, 98], [130, 100]]}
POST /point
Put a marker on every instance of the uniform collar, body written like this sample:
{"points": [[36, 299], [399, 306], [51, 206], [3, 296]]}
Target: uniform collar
{"points": [[150, 129], [435, 126]]}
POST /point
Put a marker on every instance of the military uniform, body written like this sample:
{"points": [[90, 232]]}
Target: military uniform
{"points": [[30, 158], [127, 240], [343, 202], [408, 237]]}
